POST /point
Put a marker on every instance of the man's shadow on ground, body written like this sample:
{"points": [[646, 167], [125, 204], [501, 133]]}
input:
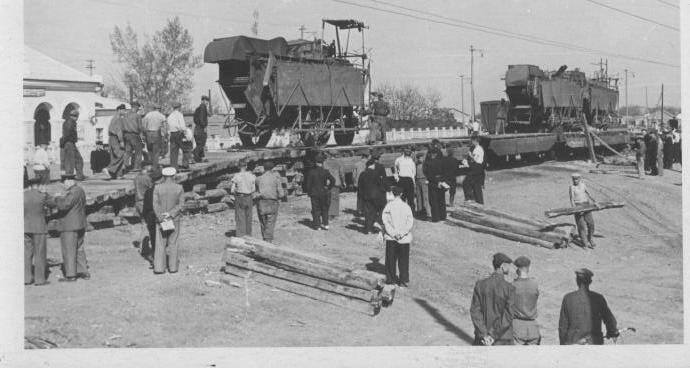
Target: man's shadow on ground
{"points": [[457, 331], [375, 266]]}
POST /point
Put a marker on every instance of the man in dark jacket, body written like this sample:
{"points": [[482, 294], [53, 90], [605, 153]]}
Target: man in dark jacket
{"points": [[452, 167], [35, 233], [200, 124], [132, 132], [640, 154], [434, 170], [116, 144], [68, 143], [100, 159], [373, 195], [72, 207], [318, 183], [652, 148], [493, 304], [582, 313], [42, 128]]}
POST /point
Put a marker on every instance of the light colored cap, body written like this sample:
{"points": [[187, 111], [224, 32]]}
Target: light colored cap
{"points": [[169, 171], [576, 175]]}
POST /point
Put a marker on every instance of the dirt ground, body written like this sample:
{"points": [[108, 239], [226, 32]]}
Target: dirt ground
{"points": [[637, 266]]}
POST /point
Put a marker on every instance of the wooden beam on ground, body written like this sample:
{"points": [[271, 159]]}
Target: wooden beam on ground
{"points": [[510, 226], [501, 233], [582, 208], [537, 223]]}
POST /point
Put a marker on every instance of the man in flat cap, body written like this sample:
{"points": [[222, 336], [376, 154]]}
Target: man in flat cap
{"points": [[72, 158], [167, 205], [525, 326], [155, 132], [200, 124], [493, 304], [176, 129], [116, 144], [72, 226], [132, 132], [582, 313], [243, 187], [379, 115], [318, 184], [269, 188], [579, 195], [35, 232]]}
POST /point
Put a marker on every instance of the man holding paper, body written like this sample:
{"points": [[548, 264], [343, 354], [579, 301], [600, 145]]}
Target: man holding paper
{"points": [[167, 205]]}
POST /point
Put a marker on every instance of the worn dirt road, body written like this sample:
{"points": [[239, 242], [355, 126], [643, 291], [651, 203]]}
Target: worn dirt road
{"points": [[637, 266]]}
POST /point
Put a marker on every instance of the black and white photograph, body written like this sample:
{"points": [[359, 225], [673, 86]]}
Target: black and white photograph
{"points": [[348, 174]]}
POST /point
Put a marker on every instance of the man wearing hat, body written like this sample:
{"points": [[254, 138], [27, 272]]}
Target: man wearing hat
{"points": [[358, 169], [116, 143], [35, 233], [371, 189], [405, 172], [421, 188], [473, 186], [167, 205], [318, 183], [379, 114], [100, 158], [269, 190], [243, 187], [397, 232], [435, 172], [72, 227], [579, 195], [493, 304], [640, 153], [582, 313], [200, 124], [155, 132], [68, 143], [176, 129], [132, 132], [333, 165], [525, 326], [452, 165]]}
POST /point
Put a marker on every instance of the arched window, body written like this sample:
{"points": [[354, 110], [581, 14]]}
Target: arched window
{"points": [[42, 134], [71, 106]]}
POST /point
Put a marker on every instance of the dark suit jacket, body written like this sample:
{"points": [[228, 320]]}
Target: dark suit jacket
{"points": [[582, 312], [370, 187], [72, 209], [69, 131], [318, 181], [35, 204], [200, 118], [492, 308]]}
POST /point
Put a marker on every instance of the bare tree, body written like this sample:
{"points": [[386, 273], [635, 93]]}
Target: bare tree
{"points": [[408, 102], [161, 70]]}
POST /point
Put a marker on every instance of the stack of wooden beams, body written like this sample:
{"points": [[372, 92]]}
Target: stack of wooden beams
{"points": [[509, 225], [305, 274]]}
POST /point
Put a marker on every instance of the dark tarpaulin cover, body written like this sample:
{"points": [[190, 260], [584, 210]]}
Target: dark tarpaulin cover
{"points": [[238, 47], [518, 75], [321, 84], [561, 93]]}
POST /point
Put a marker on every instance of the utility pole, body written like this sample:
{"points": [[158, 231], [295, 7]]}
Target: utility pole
{"points": [[90, 66], [660, 166], [472, 50], [462, 96], [626, 90], [302, 28]]}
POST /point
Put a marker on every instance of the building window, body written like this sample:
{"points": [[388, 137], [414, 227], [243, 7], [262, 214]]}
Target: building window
{"points": [[99, 134]]}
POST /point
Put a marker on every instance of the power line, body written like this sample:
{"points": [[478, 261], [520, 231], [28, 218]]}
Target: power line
{"points": [[633, 15], [512, 35], [669, 4]]}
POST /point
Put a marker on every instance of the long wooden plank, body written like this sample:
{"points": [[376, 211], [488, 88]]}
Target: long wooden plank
{"points": [[582, 208], [537, 223], [510, 226], [501, 233], [305, 291], [248, 263]]}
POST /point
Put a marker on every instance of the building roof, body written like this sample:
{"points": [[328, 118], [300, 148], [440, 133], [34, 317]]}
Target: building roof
{"points": [[38, 65]]}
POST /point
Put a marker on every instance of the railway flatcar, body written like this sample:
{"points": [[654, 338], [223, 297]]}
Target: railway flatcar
{"points": [[310, 88]]}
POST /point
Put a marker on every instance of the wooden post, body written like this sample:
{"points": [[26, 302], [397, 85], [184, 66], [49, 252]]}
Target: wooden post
{"points": [[590, 144]]}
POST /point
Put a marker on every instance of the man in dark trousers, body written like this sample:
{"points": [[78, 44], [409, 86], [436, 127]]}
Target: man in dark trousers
{"points": [[318, 183], [167, 205], [154, 129], [116, 144], [380, 111], [397, 232], [143, 183], [100, 159], [640, 153], [42, 128], [493, 304], [200, 124], [452, 167], [370, 189], [405, 172], [474, 181], [525, 326], [652, 152], [435, 173], [35, 233], [582, 313], [132, 132], [68, 143], [269, 188], [72, 214], [243, 187]]}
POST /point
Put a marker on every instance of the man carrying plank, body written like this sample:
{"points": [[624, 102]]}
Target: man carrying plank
{"points": [[584, 220]]}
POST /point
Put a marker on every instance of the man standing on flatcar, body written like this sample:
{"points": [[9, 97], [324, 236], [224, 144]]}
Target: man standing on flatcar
{"points": [[200, 124], [379, 122]]}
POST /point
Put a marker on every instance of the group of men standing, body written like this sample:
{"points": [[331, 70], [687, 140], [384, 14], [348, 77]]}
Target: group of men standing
{"points": [[505, 313], [656, 150]]}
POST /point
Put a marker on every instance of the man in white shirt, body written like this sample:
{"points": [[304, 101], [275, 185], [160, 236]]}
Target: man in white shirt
{"points": [[474, 181], [41, 164], [397, 232], [176, 128], [155, 131], [405, 171]]}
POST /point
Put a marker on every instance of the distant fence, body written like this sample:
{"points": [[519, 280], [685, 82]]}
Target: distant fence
{"points": [[425, 133]]}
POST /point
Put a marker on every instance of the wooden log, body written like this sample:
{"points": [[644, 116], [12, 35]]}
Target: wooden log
{"points": [[225, 185], [582, 208], [229, 200], [199, 189], [217, 207], [501, 233], [309, 264], [190, 196], [215, 194], [539, 224], [614, 171], [195, 206], [242, 261], [306, 291], [128, 212], [510, 226]]}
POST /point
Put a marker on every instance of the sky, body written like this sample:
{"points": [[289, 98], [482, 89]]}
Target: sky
{"points": [[404, 50]]}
